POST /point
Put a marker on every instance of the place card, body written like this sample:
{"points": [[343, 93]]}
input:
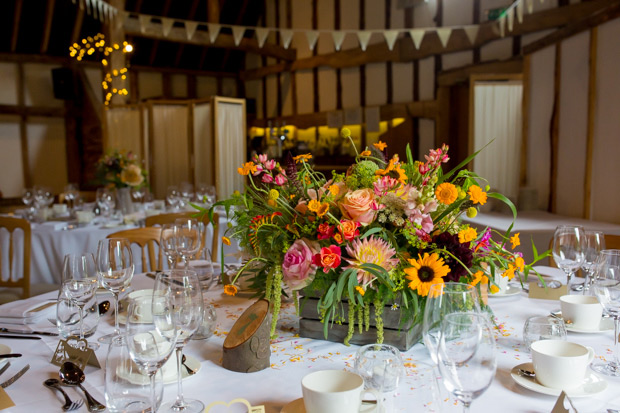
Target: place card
{"points": [[75, 350], [548, 292], [5, 400], [559, 405]]}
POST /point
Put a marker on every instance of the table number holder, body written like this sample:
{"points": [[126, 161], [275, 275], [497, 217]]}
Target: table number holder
{"points": [[251, 409], [75, 350]]}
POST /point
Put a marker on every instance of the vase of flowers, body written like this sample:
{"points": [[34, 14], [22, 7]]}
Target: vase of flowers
{"points": [[121, 171], [366, 245]]}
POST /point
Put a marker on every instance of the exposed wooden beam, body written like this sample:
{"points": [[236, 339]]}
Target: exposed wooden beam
{"points": [[525, 119], [405, 51], [462, 74], [16, 18], [201, 38], [26, 111], [47, 27], [191, 16], [572, 29], [213, 11], [77, 25], [592, 96], [423, 109], [554, 135], [23, 133], [164, 12]]}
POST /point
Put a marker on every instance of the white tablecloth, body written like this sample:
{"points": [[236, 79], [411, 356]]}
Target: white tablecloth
{"points": [[536, 226], [293, 357]]}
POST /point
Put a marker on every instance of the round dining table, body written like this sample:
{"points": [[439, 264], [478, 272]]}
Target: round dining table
{"points": [[278, 387]]}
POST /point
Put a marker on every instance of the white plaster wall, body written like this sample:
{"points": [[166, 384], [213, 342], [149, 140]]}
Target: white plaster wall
{"points": [[150, 85], [47, 152], [8, 91], [229, 87], [178, 84], [95, 77], [11, 178], [38, 85], [205, 87]]}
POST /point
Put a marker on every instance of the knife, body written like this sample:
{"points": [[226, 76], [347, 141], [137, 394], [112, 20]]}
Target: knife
{"points": [[39, 333], [15, 377], [24, 337], [6, 356]]}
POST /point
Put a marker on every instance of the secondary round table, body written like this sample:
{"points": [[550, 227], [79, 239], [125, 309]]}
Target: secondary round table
{"points": [[293, 357]]}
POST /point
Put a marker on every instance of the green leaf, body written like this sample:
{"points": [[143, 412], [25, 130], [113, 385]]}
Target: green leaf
{"points": [[351, 287], [410, 159], [447, 175], [342, 279], [506, 201], [452, 207], [371, 231]]}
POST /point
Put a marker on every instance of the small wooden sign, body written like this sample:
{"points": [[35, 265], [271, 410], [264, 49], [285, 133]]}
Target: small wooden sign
{"points": [[75, 350], [246, 348]]}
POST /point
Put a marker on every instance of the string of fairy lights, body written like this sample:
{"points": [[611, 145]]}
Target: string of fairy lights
{"points": [[96, 45]]}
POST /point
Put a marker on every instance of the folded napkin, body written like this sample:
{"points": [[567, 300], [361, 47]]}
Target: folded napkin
{"points": [[26, 311]]}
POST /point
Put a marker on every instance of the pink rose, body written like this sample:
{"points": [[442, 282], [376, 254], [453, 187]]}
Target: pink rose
{"points": [[359, 206], [298, 268]]}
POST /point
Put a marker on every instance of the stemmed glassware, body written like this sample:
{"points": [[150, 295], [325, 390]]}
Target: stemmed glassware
{"points": [[606, 287], [106, 202], [188, 236], [151, 335], [79, 282], [167, 242], [71, 196], [173, 197], [569, 249], [184, 289], [116, 267], [138, 193], [28, 200], [444, 299], [466, 355], [381, 366], [595, 243]]}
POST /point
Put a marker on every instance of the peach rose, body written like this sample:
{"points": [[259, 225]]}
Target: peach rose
{"points": [[359, 206]]}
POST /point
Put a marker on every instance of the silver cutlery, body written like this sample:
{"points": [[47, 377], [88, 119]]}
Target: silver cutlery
{"points": [[15, 377], [72, 375], [69, 404], [39, 333], [10, 355], [21, 337], [527, 373], [6, 366]]}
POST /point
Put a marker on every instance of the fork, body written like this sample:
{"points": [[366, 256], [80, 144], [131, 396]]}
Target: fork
{"points": [[69, 404]]}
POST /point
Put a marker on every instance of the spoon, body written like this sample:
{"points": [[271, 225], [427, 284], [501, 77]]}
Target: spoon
{"points": [[527, 373], [104, 306], [71, 375], [55, 384]]}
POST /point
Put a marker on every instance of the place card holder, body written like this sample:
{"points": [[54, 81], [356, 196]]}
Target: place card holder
{"points": [[560, 407], [5, 400], [548, 292], [251, 409], [75, 350]]}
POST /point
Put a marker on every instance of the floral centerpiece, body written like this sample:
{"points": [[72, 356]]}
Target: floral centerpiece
{"points": [[380, 234], [120, 170]]}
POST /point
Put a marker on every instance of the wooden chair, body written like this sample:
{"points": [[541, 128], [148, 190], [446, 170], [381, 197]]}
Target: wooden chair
{"points": [[148, 240], [169, 218], [12, 287]]}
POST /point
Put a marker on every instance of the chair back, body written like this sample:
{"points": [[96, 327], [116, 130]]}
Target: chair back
{"points": [[169, 218], [148, 240], [8, 251]]}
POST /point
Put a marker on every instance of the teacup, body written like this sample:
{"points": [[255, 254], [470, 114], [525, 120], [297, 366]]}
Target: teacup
{"points": [[501, 282], [143, 312], [560, 364], [333, 391], [581, 311]]}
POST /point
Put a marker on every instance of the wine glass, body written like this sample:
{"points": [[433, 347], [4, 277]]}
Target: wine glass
{"points": [[595, 243], [568, 249], [381, 366], [543, 328], [105, 201], [187, 193], [443, 299], [466, 355], [29, 200], [184, 289], [151, 335], [188, 237], [138, 193], [79, 282], [71, 195], [167, 242], [173, 196], [115, 266], [606, 287]]}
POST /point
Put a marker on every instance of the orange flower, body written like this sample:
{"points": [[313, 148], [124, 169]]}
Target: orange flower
{"points": [[226, 240], [380, 145], [338, 238], [360, 290], [520, 263], [349, 229], [477, 195], [365, 153], [302, 158], [323, 209], [230, 289], [446, 193], [515, 240], [247, 168], [334, 190], [480, 277], [314, 205]]}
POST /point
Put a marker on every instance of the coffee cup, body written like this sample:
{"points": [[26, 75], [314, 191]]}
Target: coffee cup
{"points": [[560, 364], [143, 312], [581, 311], [333, 391]]}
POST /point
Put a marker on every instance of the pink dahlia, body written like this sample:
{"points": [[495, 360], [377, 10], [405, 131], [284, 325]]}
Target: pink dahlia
{"points": [[370, 250]]}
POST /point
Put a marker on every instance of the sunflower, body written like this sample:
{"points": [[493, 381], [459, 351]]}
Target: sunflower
{"points": [[426, 271], [230, 289], [446, 193]]}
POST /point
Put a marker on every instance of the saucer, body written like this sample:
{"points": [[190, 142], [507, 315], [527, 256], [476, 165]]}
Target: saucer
{"points": [[592, 384], [4, 350], [606, 324], [510, 291], [297, 406], [136, 378]]}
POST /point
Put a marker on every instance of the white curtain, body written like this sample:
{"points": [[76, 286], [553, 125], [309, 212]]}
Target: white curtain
{"points": [[203, 145], [124, 131], [497, 112], [230, 146], [170, 152]]}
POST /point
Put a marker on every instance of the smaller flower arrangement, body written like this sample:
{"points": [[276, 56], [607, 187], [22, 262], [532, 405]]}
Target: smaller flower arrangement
{"points": [[120, 170]]}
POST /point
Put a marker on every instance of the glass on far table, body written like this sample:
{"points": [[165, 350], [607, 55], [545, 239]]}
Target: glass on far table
{"points": [[543, 328], [568, 250]]}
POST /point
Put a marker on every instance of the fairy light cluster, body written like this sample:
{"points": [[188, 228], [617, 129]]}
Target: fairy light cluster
{"points": [[97, 44]]}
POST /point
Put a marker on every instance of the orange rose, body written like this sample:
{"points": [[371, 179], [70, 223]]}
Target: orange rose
{"points": [[349, 229], [359, 206]]}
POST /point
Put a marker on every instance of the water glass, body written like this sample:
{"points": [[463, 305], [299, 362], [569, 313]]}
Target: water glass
{"points": [[79, 282], [173, 197], [167, 242], [381, 366], [209, 322], [68, 316], [543, 328], [595, 243], [569, 249], [188, 238]]}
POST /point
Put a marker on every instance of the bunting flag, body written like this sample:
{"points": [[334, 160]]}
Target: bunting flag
{"points": [[444, 35], [364, 38], [472, 33], [286, 36], [214, 31], [338, 39], [520, 12], [390, 38], [81, 4], [502, 25], [261, 35], [88, 6], [312, 36], [510, 16], [166, 26], [417, 35], [530, 6], [238, 32], [190, 29], [144, 20]]}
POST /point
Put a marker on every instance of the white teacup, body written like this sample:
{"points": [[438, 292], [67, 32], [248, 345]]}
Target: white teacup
{"points": [[581, 311], [502, 283], [560, 364], [144, 312], [333, 391]]}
